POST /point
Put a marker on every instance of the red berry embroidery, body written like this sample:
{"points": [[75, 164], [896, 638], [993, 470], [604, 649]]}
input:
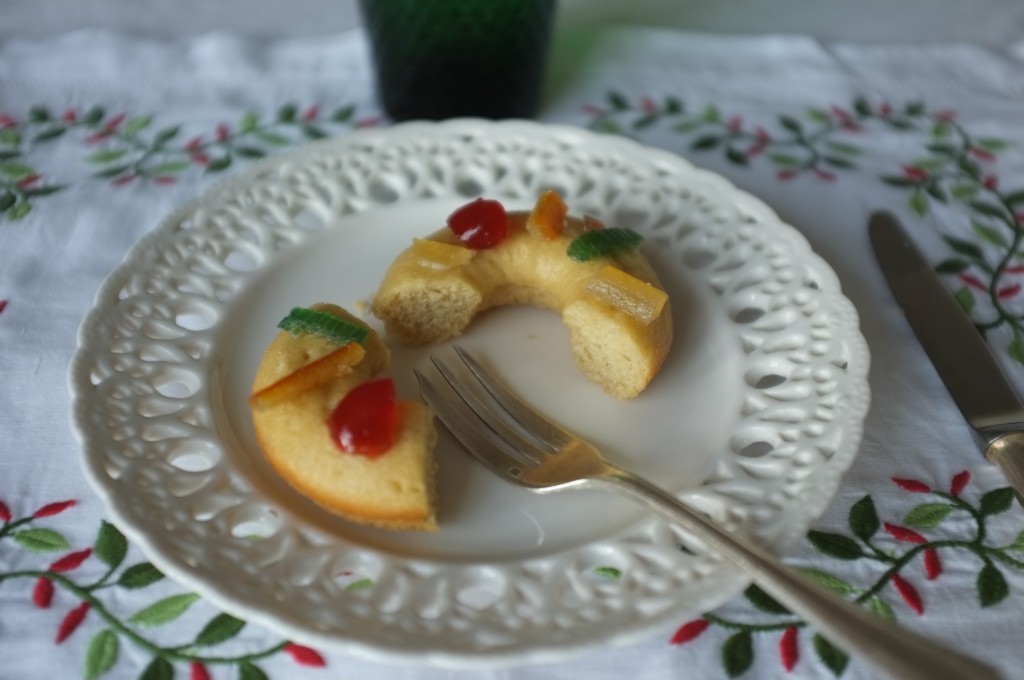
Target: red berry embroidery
{"points": [[480, 224], [366, 419]]}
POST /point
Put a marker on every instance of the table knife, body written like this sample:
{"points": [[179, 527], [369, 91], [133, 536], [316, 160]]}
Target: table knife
{"points": [[956, 348]]}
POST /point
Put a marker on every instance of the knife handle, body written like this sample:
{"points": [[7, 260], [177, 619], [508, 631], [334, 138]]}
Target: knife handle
{"points": [[1007, 452]]}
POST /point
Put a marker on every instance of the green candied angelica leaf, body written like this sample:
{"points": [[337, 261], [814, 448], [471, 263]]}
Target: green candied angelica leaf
{"points": [[600, 242], [302, 320]]}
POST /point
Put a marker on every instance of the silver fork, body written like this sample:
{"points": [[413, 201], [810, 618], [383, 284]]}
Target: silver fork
{"points": [[525, 448]]}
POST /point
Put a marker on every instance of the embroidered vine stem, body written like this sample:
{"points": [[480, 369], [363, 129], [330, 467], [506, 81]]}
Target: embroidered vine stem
{"points": [[866, 526], [958, 168], [85, 594], [102, 651]]}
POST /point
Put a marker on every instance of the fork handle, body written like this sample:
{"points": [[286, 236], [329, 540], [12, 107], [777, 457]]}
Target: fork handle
{"points": [[897, 652]]}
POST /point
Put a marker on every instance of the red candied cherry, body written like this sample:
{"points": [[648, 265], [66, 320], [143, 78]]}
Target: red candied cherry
{"points": [[480, 224], [366, 420]]}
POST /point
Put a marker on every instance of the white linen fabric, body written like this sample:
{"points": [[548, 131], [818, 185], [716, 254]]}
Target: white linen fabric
{"points": [[825, 134]]}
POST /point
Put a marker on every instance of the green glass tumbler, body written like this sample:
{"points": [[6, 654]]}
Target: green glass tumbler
{"points": [[438, 59]]}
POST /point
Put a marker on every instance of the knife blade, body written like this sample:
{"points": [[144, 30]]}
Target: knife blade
{"points": [[955, 347]]}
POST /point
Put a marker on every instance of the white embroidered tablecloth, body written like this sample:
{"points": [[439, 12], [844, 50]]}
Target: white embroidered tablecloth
{"points": [[102, 135]]}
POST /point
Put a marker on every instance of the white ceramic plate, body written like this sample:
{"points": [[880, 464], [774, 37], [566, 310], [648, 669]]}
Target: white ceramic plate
{"points": [[754, 418]]}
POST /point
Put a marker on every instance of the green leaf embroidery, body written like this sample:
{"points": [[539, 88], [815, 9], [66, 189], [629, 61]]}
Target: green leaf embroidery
{"points": [[918, 202], [791, 124], [106, 156], [915, 108], [861, 106], [879, 607], [646, 121], [843, 148], [941, 130], [996, 501], [927, 515], [900, 181], [863, 519], [101, 654], [930, 163], [1015, 198], [990, 209], [992, 144], [688, 125], [706, 142], [94, 116], [15, 170], [954, 265], [738, 653], [137, 124], [19, 211], [618, 102], [38, 114], [965, 297], [286, 113], [169, 168], [830, 581], [937, 192], [964, 192], [344, 114], [313, 132], [250, 671], [44, 191], [1018, 543], [248, 122], [764, 601], [271, 138], [835, 545], [711, 114], [10, 137], [41, 540], [987, 233], [607, 125], [139, 576], [250, 152], [220, 628], [963, 247], [839, 162], [158, 669], [218, 164], [833, 657], [165, 135], [111, 545], [52, 133], [163, 611], [113, 171], [736, 156], [1016, 349], [673, 105], [7, 199], [818, 116], [991, 585], [784, 159]]}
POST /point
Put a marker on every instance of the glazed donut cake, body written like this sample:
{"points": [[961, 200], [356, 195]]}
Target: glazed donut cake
{"points": [[332, 428], [605, 290]]}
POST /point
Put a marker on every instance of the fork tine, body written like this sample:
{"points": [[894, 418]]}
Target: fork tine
{"points": [[552, 437], [492, 454], [488, 416]]}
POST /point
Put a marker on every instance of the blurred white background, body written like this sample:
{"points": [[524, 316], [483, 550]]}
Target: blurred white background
{"points": [[996, 23]]}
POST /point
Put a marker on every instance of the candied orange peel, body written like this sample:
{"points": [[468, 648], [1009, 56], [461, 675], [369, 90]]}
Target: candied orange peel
{"points": [[548, 216], [441, 256], [639, 299], [334, 365]]}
